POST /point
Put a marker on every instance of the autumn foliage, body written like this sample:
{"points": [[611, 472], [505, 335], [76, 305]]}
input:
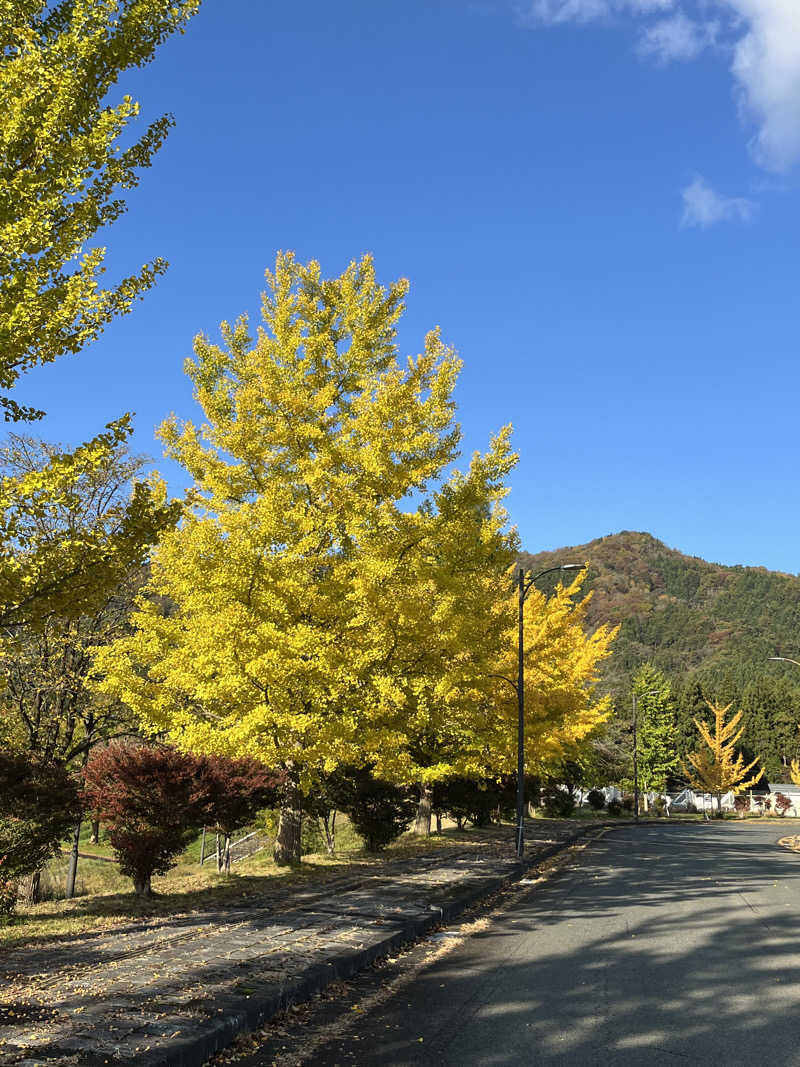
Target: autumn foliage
{"points": [[152, 800], [718, 767], [342, 593], [234, 790]]}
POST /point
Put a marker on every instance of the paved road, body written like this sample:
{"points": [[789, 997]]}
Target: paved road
{"points": [[661, 945]]}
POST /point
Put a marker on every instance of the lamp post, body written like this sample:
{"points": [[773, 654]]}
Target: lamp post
{"points": [[525, 586], [650, 692]]}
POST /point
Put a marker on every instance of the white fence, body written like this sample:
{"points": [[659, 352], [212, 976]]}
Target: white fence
{"points": [[689, 800]]}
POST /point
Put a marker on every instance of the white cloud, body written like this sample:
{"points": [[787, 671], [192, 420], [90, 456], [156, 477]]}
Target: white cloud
{"points": [[552, 12], [766, 65], [704, 207], [761, 36], [676, 37]]}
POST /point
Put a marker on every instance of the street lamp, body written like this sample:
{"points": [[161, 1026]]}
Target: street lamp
{"points": [[649, 693], [525, 588]]}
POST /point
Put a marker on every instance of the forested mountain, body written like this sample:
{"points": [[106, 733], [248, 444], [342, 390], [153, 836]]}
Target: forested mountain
{"points": [[711, 629]]}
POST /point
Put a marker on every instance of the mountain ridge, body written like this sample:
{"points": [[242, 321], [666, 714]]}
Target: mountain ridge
{"points": [[685, 614]]}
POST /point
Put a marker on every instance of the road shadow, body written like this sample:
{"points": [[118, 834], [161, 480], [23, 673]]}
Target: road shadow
{"points": [[662, 945]]}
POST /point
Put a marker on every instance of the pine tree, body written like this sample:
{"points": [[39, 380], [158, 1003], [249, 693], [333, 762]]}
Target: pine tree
{"points": [[691, 704], [771, 724]]}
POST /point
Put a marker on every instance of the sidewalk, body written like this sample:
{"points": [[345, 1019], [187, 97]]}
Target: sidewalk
{"points": [[171, 994]]}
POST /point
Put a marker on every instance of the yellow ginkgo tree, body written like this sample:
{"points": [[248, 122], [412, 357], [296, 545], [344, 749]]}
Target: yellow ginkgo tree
{"points": [[331, 594], [66, 158], [66, 155], [718, 768], [61, 553]]}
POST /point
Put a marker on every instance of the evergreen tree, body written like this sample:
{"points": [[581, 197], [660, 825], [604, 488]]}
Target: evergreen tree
{"points": [[656, 725], [691, 705], [39, 804], [771, 727]]}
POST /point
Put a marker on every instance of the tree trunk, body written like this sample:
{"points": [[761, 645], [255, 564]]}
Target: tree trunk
{"points": [[94, 837], [72, 870], [219, 853], [141, 885], [33, 889], [422, 826], [227, 854], [329, 826], [286, 852], [438, 822]]}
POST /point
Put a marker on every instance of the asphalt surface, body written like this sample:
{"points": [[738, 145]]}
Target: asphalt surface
{"points": [[658, 945]]}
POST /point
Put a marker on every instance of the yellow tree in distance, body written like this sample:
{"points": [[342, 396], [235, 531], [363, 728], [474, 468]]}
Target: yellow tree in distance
{"points": [[718, 768]]}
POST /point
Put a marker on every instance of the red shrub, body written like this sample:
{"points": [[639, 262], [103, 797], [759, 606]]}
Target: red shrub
{"points": [[782, 803], [151, 801], [235, 789]]}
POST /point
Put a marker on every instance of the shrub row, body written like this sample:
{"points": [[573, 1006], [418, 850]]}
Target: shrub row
{"points": [[153, 799]]}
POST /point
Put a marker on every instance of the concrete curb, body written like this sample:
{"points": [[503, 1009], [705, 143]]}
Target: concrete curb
{"points": [[241, 1014]]}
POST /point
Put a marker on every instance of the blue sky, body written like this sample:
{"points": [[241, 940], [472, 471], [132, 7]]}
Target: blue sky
{"points": [[596, 200]]}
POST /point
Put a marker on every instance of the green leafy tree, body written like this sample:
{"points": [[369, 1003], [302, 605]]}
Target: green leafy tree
{"points": [[379, 811], [656, 724]]}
